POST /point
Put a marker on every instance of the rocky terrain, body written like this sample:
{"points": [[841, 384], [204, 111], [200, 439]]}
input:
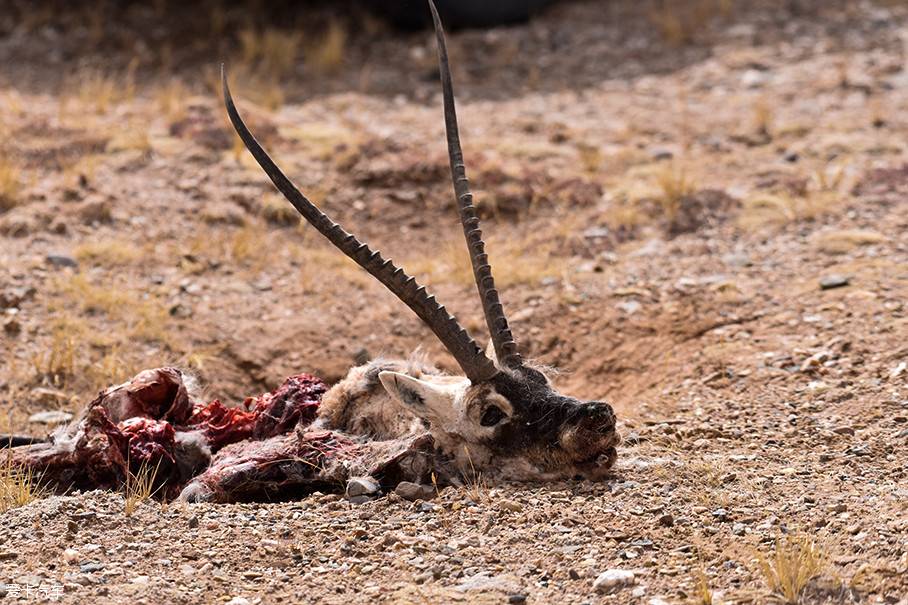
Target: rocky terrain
{"points": [[695, 211]]}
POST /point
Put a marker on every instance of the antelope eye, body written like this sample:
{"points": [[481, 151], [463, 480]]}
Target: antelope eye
{"points": [[492, 416]]}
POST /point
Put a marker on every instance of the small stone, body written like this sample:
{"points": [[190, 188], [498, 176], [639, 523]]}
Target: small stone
{"points": [[834, 280], [660, 154], [12, 325], [423, 577], [629, 306], [390, 540], [737, 260], [613, 579], [70, 556], [51, 417], [223, 212], [841, 507], [720, 514], [738, 529], [95, 210], [414, 491], [180, 311], [790, 156], [517, 598], [59, 261], [29, 580], [262, 284], [810, 364], [92, 567], [666, 520], [362, 486], [572, 573], [14, 296], [843, 430], [510, 505], [48, 396]]}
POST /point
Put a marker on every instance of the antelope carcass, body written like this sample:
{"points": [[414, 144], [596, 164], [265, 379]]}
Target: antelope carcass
{"points": [[399, 420]]}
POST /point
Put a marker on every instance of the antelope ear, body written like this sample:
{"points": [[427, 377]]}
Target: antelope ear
{"points": [[418, 395], [425, 399]]}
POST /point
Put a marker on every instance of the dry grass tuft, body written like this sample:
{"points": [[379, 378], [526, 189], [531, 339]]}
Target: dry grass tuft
{"points": [[109, 253], [10, 183], [782, 207], [171, 99], [515, 264], [703, 591], [329, 52], [100, 334], [843, 242], [139, 487], [674, 183], [18, 486], [272, 50], [474, 482], [275, 209], [101, 91], [793, 563], [680, 21], [56, 365], [445, 521], [763, 127]]}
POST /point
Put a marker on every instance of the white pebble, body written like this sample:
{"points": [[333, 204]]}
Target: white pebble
{"points": [[613, 579], [71, 555]]}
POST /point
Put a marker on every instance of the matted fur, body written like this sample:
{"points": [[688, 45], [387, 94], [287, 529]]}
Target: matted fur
{"points": [[360, 405]]}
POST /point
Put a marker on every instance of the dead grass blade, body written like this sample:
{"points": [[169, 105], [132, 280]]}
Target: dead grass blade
{"points": [[19, 486]]}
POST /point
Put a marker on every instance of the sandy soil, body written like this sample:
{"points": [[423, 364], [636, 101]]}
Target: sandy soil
{"points": [[698, 215]]}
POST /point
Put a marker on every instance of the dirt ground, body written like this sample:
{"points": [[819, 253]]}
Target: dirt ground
{"points": [[695, 211]]}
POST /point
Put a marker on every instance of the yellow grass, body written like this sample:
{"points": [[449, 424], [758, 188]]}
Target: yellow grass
{"points": [[139, 487], [18, 486], [793, 562], [10, 183], [674, 183], [474, 482], [329, 51], [680, 21]]}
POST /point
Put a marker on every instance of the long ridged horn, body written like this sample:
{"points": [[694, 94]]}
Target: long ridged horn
{"points": [[505, 347], [471, 359]]}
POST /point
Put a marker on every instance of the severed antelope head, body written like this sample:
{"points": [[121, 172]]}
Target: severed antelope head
{"points": [[506, 412]]}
